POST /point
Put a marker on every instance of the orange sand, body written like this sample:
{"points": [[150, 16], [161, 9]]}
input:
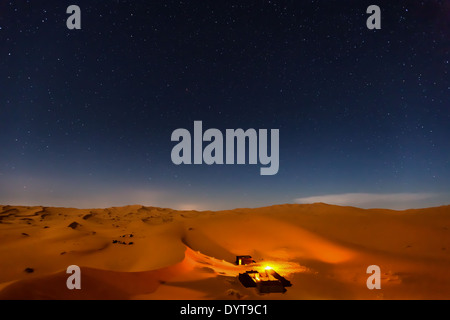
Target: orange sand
{"points": [[323, 250]]}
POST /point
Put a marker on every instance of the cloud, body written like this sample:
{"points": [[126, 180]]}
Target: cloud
{"points": [[374, 200]]}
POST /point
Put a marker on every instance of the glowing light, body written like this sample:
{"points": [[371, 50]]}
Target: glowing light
{"points": [[285, 268]]}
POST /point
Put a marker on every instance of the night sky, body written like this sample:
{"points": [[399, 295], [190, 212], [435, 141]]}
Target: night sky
{"points": [[87, 115]]}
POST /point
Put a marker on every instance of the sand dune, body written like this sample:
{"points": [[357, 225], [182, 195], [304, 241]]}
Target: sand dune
{"points": [[138, 252]]}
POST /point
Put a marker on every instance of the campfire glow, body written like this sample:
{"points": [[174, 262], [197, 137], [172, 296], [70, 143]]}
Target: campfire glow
{"points": [[283, 267]]}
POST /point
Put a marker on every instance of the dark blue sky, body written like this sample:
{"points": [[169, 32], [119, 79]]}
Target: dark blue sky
{"points": [[87, 115]]}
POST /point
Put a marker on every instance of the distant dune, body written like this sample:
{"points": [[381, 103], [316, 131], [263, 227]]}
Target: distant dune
{"points": [[137, 252]]}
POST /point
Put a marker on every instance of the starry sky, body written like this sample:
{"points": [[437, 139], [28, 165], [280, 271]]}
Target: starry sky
{"points": [[87, 115]]}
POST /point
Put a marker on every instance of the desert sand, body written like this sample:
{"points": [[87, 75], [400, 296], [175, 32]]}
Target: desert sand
{"points": [[138, 252]]}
